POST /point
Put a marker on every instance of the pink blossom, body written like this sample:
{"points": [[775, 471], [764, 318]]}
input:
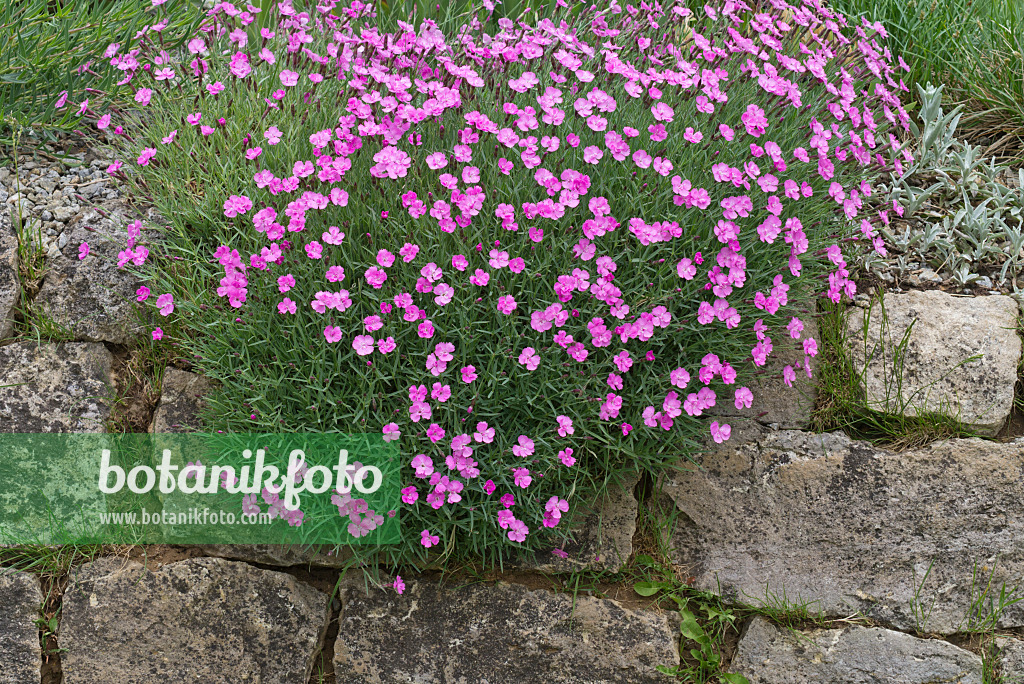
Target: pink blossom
{"points": [[288, 78], [240, 65], [524, 448], [662, 112], [391, 163], [592, 154], [744, 398], [362, 344], [565, 426], [428, 539], [506, 304], [165, 303], [720, 433], [522, 477], [529, 358]]}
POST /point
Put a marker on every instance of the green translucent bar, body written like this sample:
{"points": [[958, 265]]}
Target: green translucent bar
{"points": [[133, 489]]}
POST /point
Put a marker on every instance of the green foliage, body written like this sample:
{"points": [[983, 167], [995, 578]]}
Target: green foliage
{"points": [[50, 46], [704, 622], [975, 47], [275, 371]]}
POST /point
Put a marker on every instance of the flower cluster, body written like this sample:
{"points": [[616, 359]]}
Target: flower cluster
{"points": [[534, 254]]}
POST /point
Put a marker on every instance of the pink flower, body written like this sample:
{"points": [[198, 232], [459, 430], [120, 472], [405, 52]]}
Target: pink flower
{"points": [[158, 334], [273, 135], [83, 250], [622, 361], [744, 397], [332, 333], [236, 204], [642, 159], [398, 584], [556, 506], [240, 65], [142, 294], [391, 433], [468, 374], [435, 433], [658, 132], [146, 156], [376, 277], [165, 303], [437, 160], [288, 78], [565, 427], [480, 278], [720, 433], [592, 154], [662, 112], [428, 539], [524, 448], [754, 120], [522, 477], [483, 434], [506, 304], [409, 252], [392, 163], [529, 358], [363, 344]]}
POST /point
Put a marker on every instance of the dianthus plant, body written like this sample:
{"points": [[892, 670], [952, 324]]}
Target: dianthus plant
{"points": [[537, 252]]}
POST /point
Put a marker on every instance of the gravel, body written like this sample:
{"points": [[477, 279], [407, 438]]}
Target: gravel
{"points": [[45, 195]]}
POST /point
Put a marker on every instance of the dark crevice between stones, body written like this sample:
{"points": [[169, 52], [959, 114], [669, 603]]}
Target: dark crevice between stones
{"points": [[323, 662], [644, 493], [155, 556], [53, 587], [133, 396]]}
